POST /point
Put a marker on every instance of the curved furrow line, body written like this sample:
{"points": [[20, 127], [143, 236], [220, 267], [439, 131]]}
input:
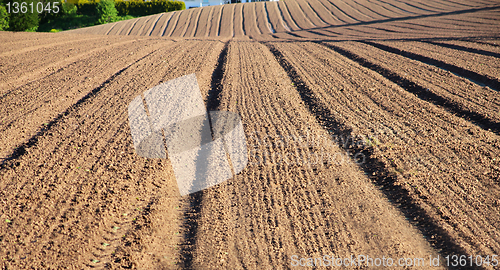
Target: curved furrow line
{"points": [[340, 13], [347, 11], [188, 22], [182, 23], [104, 29], [44, 141], [48, 69], [421, 199], [361, 12], [414, 4], [195, 201], [425, 5], [260, 18], [266, 20], [97, 138], [245, 221], [202, 28], [239, 21], [152, 25], [450, 3], [33, 131], [384, 9], [287, 17], [298, 14], [118, 28], [402, 6], [133, 23], [390, 8], [194, 24], [328, 15], [274, 18], [226, 25], [215, 21], [376, 14], [450, 45], [312, 15], [138, 26], [475, 75], [22, 48], [172, 24], [250, 20], [472, 102], [161, 24], [126, 27], [209, 22]]}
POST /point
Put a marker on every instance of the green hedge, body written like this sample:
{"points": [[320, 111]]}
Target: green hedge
{"points": [[134, 7]]}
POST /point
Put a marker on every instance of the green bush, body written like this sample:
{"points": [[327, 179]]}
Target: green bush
{"points": [[4, 18], [24, 21], [68, 8], [106, 11], [134, 7]]}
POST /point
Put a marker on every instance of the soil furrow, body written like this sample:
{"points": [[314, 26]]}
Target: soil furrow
{"points": [[246, 220], [181, 24], [172, 24], [481, 110], [136, 181], [491, 82], [161, 24], [356, 108], [287, 17], [46, 98], [193, 24], [239, 29], [215, 21], [226, 27], [298, 15], [152, 24]]}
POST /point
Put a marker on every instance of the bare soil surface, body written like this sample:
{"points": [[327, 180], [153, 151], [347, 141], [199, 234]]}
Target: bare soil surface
{"points": [[372, 128]]}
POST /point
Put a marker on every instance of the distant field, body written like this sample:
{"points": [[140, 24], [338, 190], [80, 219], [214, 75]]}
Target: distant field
{"points": [[373, 128]]}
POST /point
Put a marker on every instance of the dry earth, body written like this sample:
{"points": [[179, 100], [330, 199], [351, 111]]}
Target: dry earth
{"points": [[372, 127]]}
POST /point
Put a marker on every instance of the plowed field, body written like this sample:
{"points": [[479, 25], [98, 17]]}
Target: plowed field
{"points": [[372, 130]]}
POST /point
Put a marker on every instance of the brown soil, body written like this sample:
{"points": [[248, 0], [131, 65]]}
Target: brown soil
{"points": [[372, 128]]}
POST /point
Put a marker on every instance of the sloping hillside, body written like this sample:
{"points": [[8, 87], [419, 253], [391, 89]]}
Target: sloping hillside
{"points": [[372, 129]]}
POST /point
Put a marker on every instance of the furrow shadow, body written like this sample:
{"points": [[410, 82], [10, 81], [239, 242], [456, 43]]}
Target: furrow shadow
{"points": [[463, 48], [22, 149], [381, 176], [195, 200], [493, 83], [421, 92]]}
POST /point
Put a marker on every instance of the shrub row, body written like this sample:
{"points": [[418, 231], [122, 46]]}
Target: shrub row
{"points": [[134, 7]]}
